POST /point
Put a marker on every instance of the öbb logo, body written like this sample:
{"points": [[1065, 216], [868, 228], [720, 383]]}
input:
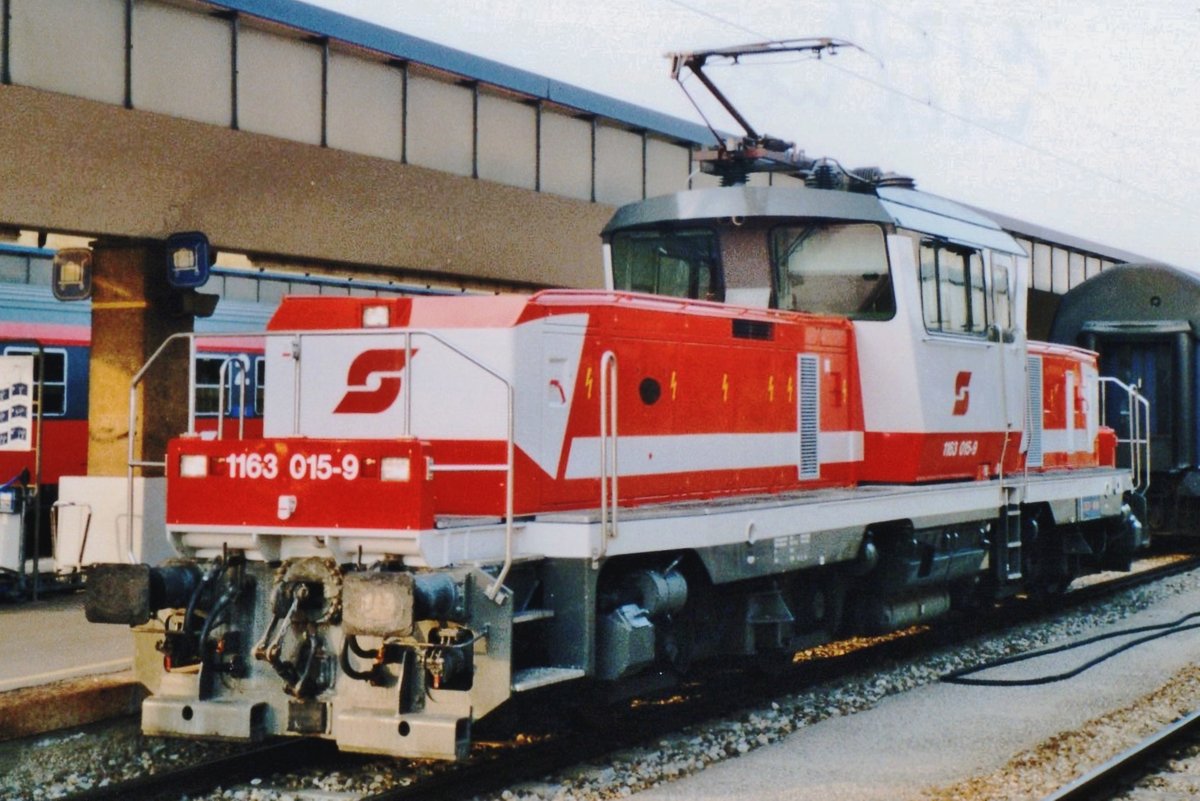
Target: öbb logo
{"points": [[374, 381], [962, 394]]}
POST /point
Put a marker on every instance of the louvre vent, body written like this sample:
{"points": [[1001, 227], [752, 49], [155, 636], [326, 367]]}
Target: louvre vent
{"points": [[1033, 414], [753, 329], [809, 415]]}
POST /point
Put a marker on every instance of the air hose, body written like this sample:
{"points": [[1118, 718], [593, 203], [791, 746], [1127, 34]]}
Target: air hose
{"points": [[1159, 630]]}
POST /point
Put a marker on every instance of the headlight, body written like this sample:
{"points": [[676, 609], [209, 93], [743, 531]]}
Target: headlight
{"points": [[193, 465], [375, 317], [395, 468]]}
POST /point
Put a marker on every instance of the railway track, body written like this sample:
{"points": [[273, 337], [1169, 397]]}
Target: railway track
{"points": [[1117, 776], [203, 777], [558, 746], [730, 693]]}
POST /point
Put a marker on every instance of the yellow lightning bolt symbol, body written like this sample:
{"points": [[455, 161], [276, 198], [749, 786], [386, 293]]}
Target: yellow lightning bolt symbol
{"points": [[674, 385], [588, 380], [771, 388], [789, 389], [725, 387]]}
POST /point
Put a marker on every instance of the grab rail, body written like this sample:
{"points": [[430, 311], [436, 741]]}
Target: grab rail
{"points": [[296, 338], [608, 450], [222, 375], [1137, 408]]}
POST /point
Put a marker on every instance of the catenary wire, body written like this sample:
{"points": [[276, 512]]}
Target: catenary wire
{"points": [[965, 119]]}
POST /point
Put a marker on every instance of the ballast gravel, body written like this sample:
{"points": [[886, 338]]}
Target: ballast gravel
{"points": [[55, 766]]}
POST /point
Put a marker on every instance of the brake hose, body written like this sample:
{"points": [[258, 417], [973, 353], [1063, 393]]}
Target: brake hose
{"points": [[1160, 630]]}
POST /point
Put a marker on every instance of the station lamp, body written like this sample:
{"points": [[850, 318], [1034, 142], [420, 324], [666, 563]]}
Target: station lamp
{"points": [[189, 258], [72, 274]]}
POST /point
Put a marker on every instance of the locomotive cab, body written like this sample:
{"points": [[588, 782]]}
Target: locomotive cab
{"points": [[930, 287]]}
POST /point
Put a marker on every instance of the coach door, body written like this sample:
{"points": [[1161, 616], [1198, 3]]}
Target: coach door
{"points": [[1160, 361]]}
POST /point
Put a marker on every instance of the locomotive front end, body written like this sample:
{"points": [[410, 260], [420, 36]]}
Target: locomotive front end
{"points": [[315, 594]]}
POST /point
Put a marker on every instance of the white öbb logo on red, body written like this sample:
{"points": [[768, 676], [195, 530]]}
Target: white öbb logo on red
{"points": [[962, 394], [374, 381]]}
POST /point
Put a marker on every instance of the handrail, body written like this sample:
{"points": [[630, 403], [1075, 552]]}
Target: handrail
{"points": [[608, 450], [1137, 407], [87, 525], [509, 466], [222, 376], [296, 338], [131, 463], [650, 300]]}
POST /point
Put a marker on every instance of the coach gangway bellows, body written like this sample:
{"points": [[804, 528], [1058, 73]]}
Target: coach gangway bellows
{"points": [[796, 413]]}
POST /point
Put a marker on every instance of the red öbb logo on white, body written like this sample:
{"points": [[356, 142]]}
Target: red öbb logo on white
{"points": [[374, 381]]}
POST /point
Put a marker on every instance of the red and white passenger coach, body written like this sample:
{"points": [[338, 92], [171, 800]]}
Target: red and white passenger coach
{"points": [[793, 414]]}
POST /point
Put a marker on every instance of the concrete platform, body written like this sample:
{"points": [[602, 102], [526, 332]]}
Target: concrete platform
{"points": [[58, 670], [941, 734]]}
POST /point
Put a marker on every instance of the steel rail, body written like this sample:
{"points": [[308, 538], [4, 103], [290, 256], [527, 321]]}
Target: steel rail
{"points": [[1116, 775], [717, 693], [720, 694], [203, 777]]}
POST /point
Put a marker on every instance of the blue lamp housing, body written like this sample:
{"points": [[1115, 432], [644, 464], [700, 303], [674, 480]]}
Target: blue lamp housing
{"points": [[188, 259]]}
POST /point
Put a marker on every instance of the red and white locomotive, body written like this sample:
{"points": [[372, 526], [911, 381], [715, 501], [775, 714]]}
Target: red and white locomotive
{"points": [[795, 413]]}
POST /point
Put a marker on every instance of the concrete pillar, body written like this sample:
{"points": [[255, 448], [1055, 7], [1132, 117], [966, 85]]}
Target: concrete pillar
{"points": [[131, 316]]}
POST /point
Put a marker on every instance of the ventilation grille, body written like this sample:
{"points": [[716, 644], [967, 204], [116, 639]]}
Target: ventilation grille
{"points": [[1033, 413], [753, 329], [810, 415]]}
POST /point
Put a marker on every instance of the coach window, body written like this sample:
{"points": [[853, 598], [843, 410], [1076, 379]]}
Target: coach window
{"points": [[832, 269], [54, 382], [679, 263], [208, 386], [953, 295]]}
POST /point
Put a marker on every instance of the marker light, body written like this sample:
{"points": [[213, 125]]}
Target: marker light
{"points": [[193, 465], [376, 317], [395, 468]]}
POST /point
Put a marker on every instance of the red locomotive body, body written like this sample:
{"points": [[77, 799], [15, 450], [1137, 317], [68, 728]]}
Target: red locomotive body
{"points": [[794, 414]]}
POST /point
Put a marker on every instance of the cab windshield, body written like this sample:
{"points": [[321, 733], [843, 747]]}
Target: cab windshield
{"points": [[678, 263], [833, 269]]}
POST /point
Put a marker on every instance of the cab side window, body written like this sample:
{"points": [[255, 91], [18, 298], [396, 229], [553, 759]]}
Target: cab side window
{"points": [[1002, 302], [953, 293]]}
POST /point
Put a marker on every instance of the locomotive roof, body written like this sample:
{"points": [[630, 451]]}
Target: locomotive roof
{"points": [[906, 208], [1130, 299]]}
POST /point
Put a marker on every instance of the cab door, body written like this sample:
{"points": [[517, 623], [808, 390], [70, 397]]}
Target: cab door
{"points": [[972, 361]]}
